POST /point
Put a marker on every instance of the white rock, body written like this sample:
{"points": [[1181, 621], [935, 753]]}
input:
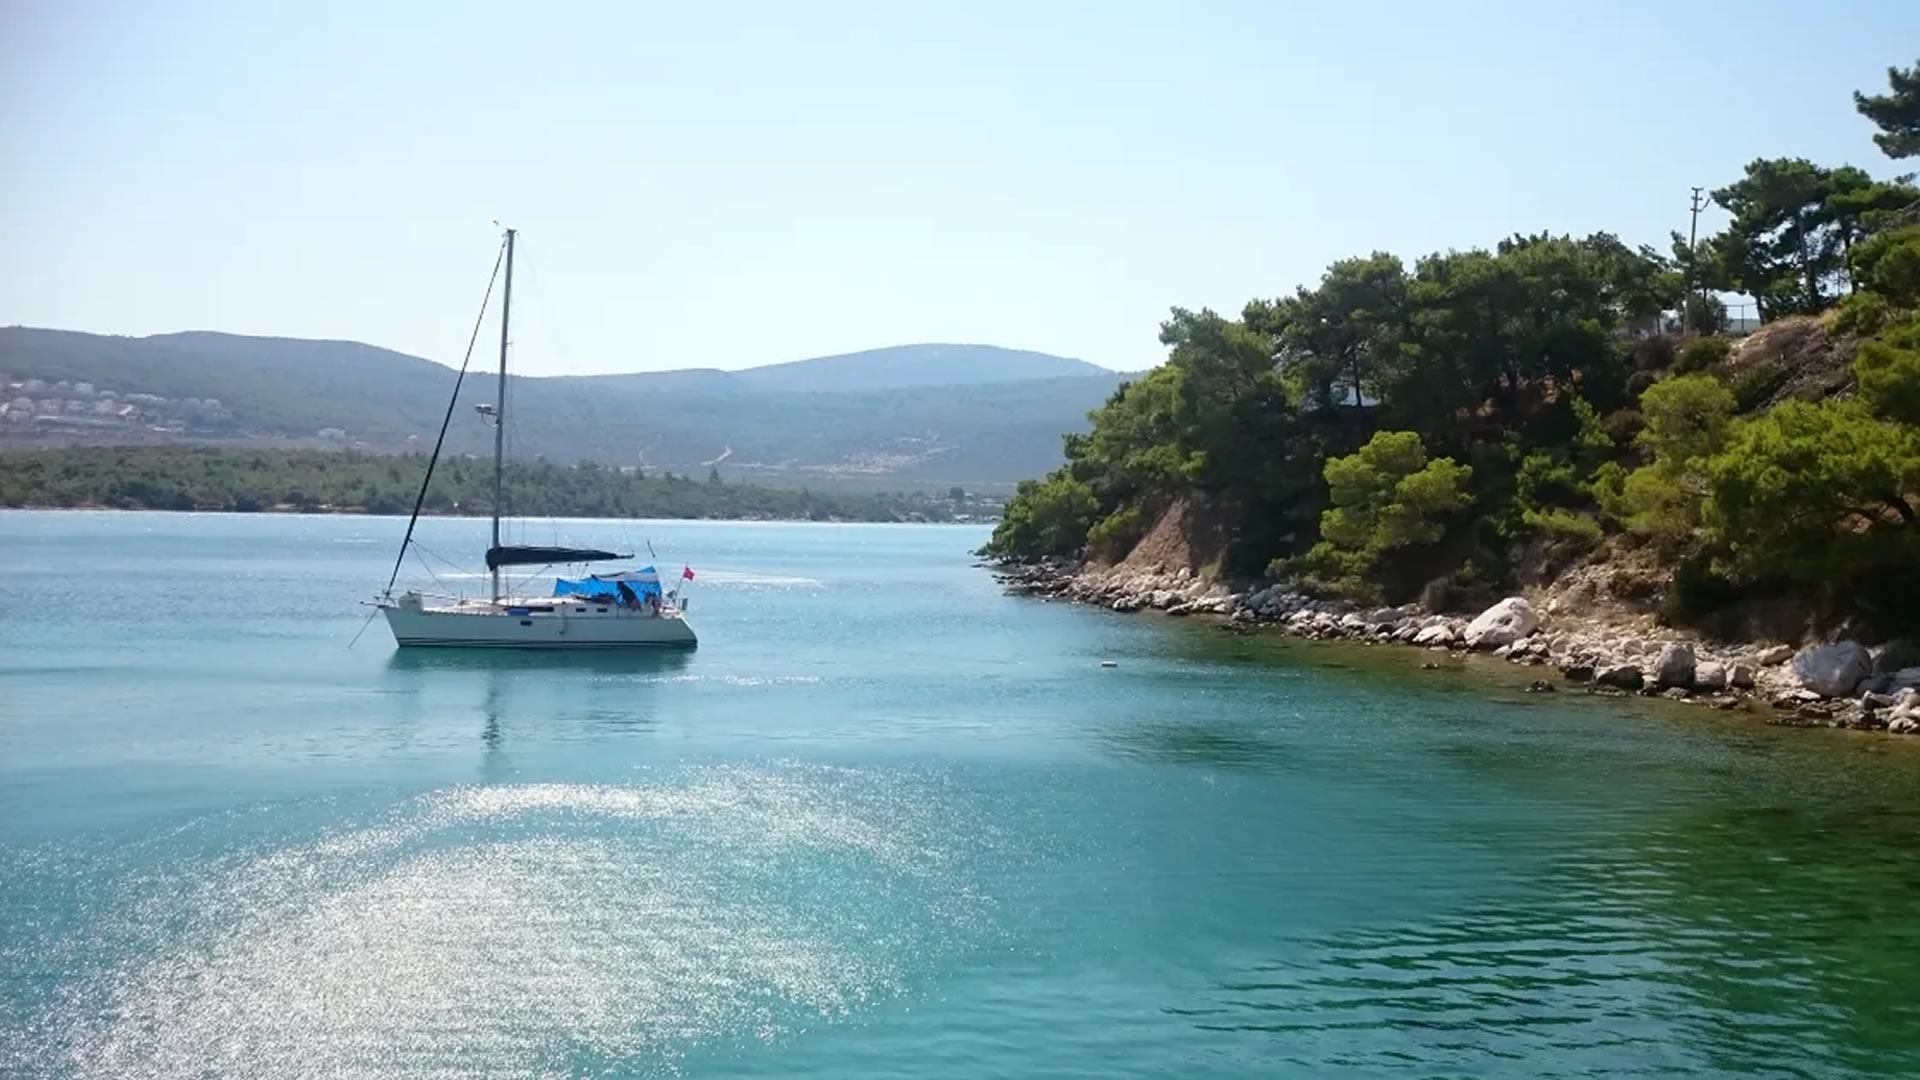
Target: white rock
{"points": [[1832, 670], [1675, 666], [1778, 654], [1739, 676], [1439, 634], [1502, 624], [1709, 675]]}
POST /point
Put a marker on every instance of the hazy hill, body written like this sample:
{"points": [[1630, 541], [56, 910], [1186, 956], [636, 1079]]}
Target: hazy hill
{"points": [[917, 413], [916, 365]]}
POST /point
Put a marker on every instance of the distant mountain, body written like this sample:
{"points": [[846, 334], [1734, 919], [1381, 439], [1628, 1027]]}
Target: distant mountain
{"points": [[916, 365], [922, 414]]}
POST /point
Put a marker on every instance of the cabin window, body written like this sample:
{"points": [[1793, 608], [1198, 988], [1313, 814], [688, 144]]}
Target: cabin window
{"points": [[526, 622], [579, 611], [601, 610]]}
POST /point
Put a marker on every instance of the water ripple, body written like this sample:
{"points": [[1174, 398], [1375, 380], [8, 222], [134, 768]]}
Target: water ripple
{"points": [[517, 930], [1606, 973]]}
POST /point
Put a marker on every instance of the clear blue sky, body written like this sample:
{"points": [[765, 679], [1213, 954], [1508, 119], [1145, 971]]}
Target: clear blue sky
{"points": [[735, 184]]}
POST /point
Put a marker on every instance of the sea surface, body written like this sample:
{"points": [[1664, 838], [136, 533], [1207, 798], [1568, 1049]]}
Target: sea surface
{"points": [[884, 822]]}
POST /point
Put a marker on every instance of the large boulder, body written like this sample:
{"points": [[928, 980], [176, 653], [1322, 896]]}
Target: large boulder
{"points": [[1502, 624], [1739, 676], [1896, 655], [1710, 675], [1774, 654], [1833, 670], [1437, 634], [1624, 676], [1906, 677], [1675, 666]]}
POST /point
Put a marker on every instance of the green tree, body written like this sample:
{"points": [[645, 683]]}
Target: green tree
{"points": [[1386, 496], [1817, 492], [1048, 517], [1888, 265], [1887, 373], [1687, 419], [1336, 341], [1792, 224], [1896, 113]]}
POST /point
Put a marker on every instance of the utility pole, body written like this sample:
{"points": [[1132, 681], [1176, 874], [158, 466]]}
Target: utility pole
{"points": [[1693, 257]]}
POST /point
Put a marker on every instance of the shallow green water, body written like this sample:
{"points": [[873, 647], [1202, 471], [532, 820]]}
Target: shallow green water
{"points": [[885, 822]]}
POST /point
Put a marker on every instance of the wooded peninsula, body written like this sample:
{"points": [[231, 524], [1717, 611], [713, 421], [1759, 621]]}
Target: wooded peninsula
{"points": [[1488, 419]]}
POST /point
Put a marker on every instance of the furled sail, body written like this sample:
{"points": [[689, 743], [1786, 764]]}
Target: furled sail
{"points": [[541, 556]]}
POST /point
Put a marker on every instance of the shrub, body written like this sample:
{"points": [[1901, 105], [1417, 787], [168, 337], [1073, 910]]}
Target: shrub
{"points": [[1623, 425], [1862, 313], [1116, 534], [1888, 374], [1758, 384], [1701, 354], [1561, 523]]}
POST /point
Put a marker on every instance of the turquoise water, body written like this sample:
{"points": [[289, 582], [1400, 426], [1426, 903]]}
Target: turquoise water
{"points": [[885, 822]]}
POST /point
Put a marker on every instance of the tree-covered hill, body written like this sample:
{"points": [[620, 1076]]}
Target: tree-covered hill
{"points": [[930, 414], [1440, 428]]}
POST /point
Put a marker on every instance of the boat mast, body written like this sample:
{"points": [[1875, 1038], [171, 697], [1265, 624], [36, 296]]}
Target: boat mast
{"points": [[500, 412]]}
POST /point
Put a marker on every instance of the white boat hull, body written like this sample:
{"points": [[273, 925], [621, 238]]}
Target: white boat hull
{"points": [[543, 624]]}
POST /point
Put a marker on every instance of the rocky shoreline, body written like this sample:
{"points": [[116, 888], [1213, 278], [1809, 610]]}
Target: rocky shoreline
{"points": [[1841, 684]]}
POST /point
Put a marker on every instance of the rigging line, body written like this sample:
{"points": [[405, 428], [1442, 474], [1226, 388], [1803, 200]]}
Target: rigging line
{"points": [[355, 640], [446, 420], [429, 569], [554, 324], [450, 563]]}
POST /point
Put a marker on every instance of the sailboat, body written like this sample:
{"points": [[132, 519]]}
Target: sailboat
{"points": [[616, 609]]}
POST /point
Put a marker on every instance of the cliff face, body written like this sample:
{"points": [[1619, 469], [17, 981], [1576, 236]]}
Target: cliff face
{"points": [[1193, 533]]}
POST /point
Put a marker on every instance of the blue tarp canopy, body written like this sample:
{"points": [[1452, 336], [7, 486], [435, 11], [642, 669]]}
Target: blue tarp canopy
{"points": [[607, 586]]}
